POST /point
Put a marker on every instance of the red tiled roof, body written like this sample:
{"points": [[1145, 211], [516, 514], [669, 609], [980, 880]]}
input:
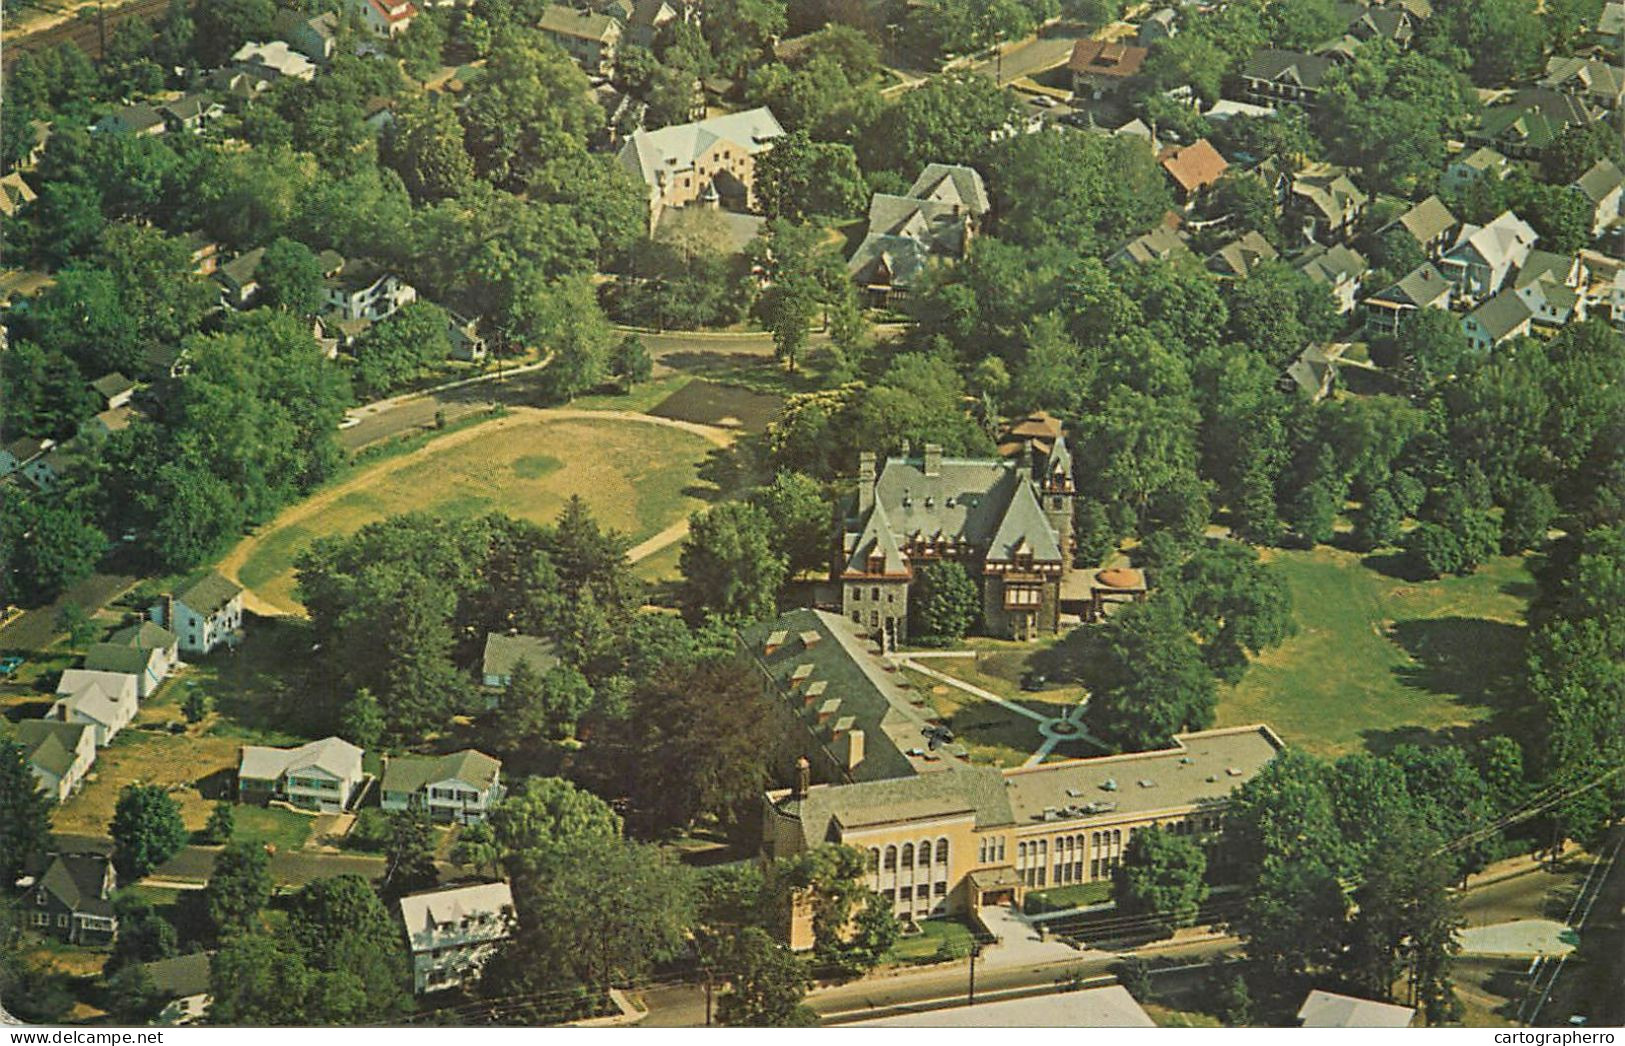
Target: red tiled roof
{"points": [[393, 13], [1103, 58], [1194, 166]]}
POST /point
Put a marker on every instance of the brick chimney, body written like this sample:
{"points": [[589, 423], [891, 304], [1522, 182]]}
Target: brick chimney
{"points": [[803, 779], [866, 480], [933, 459]]}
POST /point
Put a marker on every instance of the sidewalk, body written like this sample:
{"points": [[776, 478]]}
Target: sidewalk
{"points": [[367, 410]]}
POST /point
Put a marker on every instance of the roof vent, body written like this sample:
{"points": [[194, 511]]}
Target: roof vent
{"points": [[810, 638], [1186, 760], [930, 502], [1074, 793], [801, 673]]}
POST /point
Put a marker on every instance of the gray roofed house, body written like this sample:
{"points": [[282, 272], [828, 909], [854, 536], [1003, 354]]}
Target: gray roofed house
{"points": [[146, 634], [73, 899], [237, 278], [1602, 185], [952, 183], [1429, 223], [21, 451], [590, 39], [313, 36], [645, 19], [59, 754], [1323, 1009], [191, 112], [1338, 268], [1160, 244], [1530, 121], [1241, 255], [1324, 200], [322, 775], [1598, 84], [139, 120], [149, 665], [1470, 167], [114, 389], [1484, 256], [459, 787], [908, 235], [1424, 287], [452, 932], [1271, 76], [182, 982], [209, 593], [1506, 315], [503, 652], [1313, 371]]}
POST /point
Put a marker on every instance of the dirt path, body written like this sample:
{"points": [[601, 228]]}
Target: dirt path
{"points": [[516, 416]]}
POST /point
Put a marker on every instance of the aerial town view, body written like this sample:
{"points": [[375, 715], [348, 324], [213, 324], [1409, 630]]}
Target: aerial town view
{"points": [[812, 513]]}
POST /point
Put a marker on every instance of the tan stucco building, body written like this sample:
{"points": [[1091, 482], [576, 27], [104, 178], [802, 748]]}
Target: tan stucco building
{"points": [[708, 162]]}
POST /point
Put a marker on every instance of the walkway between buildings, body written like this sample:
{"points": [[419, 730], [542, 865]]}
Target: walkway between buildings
{"points": [[1054, 731]]}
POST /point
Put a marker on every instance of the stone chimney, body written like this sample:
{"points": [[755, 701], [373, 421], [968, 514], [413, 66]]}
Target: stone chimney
{"points": [[854, 748], [803, 779], [933, 459], [866, 480]]}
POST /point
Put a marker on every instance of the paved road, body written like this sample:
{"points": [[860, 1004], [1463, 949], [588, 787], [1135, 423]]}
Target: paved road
{"points": [[36, 629], [1026, 59], [71, 29]]}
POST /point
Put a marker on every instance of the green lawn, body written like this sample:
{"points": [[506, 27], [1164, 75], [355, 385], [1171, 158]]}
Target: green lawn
{"points": [[928, 945], [636, 477], [1379, 660], [1063, 897], [271, 825]]}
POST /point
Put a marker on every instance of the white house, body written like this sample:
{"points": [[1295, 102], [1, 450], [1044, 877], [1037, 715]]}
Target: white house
{"points": [[148, 665], [453, 932], [59, 754], [105, 701], [1505, 316], [459, 787], [363, 291], [207, 614], [182, 982], [1483, 256], [1340, 269], [322, 775], [1602, 187], [385, 18], [154, 637]]}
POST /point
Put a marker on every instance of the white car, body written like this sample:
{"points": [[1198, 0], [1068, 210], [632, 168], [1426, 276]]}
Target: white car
{"points": [[349, 422], [1043, 101]]}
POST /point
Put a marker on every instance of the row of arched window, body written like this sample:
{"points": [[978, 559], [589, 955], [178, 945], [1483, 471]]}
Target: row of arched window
{"points": [[908, 855]]}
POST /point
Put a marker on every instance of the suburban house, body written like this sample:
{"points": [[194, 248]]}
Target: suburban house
{"points": [[1192, 168], [1530, 121], [271, 62], [1008, 520], [206, 614], [1425, 287], [1322, 1009], [503, 652], [60, 754], [1393, 24], [1324, 202], [1340, 269], [1506, 315], [1609, 32], [1271, 77], [105, 423], [458, 788], [711, 162], [205, 252], [238, 283], [1551, 304], [182, 983], [361, 290], [385, 18], [467, 343], [1240, 256], [323, 775], [142, 121], [1600, 85], [1482, 162], [1161, 24], [1313, 371], [645, 20], [154, 637], [1483, 256], [46, 469], [911, 233], [114, 389], [148, 665], [1601, 185], [73, 899], [1102, 67], [1160, 244], [313, 36], [103, 701], [453, 932], [962, 837], [591, 39], [20, 451], [14, 193], [191, 113], [1429, 224]]}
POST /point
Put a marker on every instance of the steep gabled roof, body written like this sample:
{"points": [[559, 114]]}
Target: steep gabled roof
{"points": [[1194, 166], [675, 148], [1600, 179], [1502, 314], [952, 183], [78, 881], [1427, 220], [1292, 67], [1420, 288], [877, 539], [147, 635], [49, 745], [1024, 530], [209, 593]]}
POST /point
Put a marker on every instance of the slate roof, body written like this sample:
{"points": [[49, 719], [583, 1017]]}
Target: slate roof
{"points": [[209, 593], [408, 773], [1312, 368], [50, 745], [1427, 220], [952, 183], [1501, 315], [876, 539], [1305, 70], [332, 755], [148, 634], [1241, 255], [675, 148], [967, 500], [503, 652], [840, 666], [1322, 1009], [78, 881], [977, 791], [1421, 287], [1024, 530], [1194, 166], [1483, 159], [1599, 180], [26, 448]]}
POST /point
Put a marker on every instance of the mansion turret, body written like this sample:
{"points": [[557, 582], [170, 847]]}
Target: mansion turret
{"points": [[1007, 520]]}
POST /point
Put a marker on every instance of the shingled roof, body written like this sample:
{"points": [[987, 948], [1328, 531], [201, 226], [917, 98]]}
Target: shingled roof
{"points": [[50, 745], [209, 593], [408, 773], [82, 883]]}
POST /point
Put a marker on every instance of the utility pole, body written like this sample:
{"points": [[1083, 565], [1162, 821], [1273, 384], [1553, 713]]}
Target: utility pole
{"points": [[975, 950], [708, 997]]}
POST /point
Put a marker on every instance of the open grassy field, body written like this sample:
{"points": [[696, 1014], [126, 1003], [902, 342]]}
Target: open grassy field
{"points": [[638, 479], [1380, 661]]}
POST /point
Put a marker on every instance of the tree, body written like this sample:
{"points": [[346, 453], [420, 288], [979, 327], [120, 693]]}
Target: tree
{"points": [[25, 813], [630, 363], [543, 816], [799, 179], [409, 861], [1378, 521], [343, 930], [132, 998], [801, 517], [222, 823], [803, 274], [1161, 878], [948, 119], [361, 720], [853, 927], [1530, 510], [50, 545], [196, 706], [143, 934], [80, 627], [290, 277], [1278, 310], [543, 706], [1087, 192], [946, 603], [533, 103], [147, 830], [766, 984], [239, 887], [1435, 549], [257, 979], [424, 144], [402, 347], [226, 26], [1235, 605], [729, 564], [1147, 681]]}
